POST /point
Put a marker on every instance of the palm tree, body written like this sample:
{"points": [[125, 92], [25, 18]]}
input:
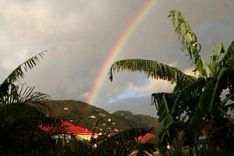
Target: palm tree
{"points": [[9, 88], [21, 114], [199, 106]]}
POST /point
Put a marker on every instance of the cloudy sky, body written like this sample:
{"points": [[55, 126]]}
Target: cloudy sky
{"points": [[78, 35]]}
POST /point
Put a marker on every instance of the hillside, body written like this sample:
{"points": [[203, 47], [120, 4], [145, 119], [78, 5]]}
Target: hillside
{"points": [[90, 116], [137, 119]]}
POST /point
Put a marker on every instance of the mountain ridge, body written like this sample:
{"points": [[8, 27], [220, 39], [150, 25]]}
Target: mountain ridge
{"points": [[95, 118]]}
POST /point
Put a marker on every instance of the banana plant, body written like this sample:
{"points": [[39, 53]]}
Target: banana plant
{"points": [[196, 101]]}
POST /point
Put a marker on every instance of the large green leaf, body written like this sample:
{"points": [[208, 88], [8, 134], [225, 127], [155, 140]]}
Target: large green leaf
{"points": [[164, 108], [186, 95], [152, 69], [188, 40], [204, 104], [229, 56], [215, 58]]}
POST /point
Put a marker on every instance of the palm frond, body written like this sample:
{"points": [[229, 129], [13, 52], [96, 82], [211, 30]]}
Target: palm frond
{"points": [[18, 72], [188, 40], [22, 94], [27, 94], [152, 69], [8, 86]]}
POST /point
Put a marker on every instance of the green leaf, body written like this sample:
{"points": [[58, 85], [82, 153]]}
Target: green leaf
{"points": [[188, 40], [204, 104], [152, 69], [229, 56]]}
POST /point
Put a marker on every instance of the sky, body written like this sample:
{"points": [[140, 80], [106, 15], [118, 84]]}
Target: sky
{"points": [[78, 35]]}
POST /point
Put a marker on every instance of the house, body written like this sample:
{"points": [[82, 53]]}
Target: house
{"points": [[68, 130]]}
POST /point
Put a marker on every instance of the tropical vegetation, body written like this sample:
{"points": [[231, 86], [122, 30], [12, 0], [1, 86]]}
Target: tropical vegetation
{"points": [[23, 110], [19, 120], [197, 116]]}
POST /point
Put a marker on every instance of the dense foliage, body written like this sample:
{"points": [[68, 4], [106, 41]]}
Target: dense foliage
{"points": [[198, 115], [20, 115], [23, 110]]}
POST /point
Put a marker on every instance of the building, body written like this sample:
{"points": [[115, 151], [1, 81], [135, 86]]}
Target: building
{"points": [[68, 130]]}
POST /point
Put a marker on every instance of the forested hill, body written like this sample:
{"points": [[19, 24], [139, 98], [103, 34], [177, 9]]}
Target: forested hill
{"points": [[139, 119], [88, 116]]}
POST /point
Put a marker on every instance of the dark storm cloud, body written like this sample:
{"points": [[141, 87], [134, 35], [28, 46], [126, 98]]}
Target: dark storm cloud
{"points": [[79, 34]]}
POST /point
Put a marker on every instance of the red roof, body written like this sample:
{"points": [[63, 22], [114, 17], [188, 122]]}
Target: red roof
{"points": [[66, 127], [146, 137]]}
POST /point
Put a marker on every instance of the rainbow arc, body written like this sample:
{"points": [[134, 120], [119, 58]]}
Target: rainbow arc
{"points": [[117, 48]]}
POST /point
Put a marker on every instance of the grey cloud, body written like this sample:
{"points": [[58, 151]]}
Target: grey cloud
{"points": [[79, 34]]}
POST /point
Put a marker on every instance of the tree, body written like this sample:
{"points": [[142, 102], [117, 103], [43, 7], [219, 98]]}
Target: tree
{"points": [[22, 111], [21, 114], [200, 109]]}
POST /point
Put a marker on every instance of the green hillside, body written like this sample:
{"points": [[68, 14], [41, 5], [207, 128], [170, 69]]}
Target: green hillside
{"points": [[137, 119], [90, 116]]}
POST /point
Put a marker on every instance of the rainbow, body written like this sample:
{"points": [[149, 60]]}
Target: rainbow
{"points": [[117, 48]]}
